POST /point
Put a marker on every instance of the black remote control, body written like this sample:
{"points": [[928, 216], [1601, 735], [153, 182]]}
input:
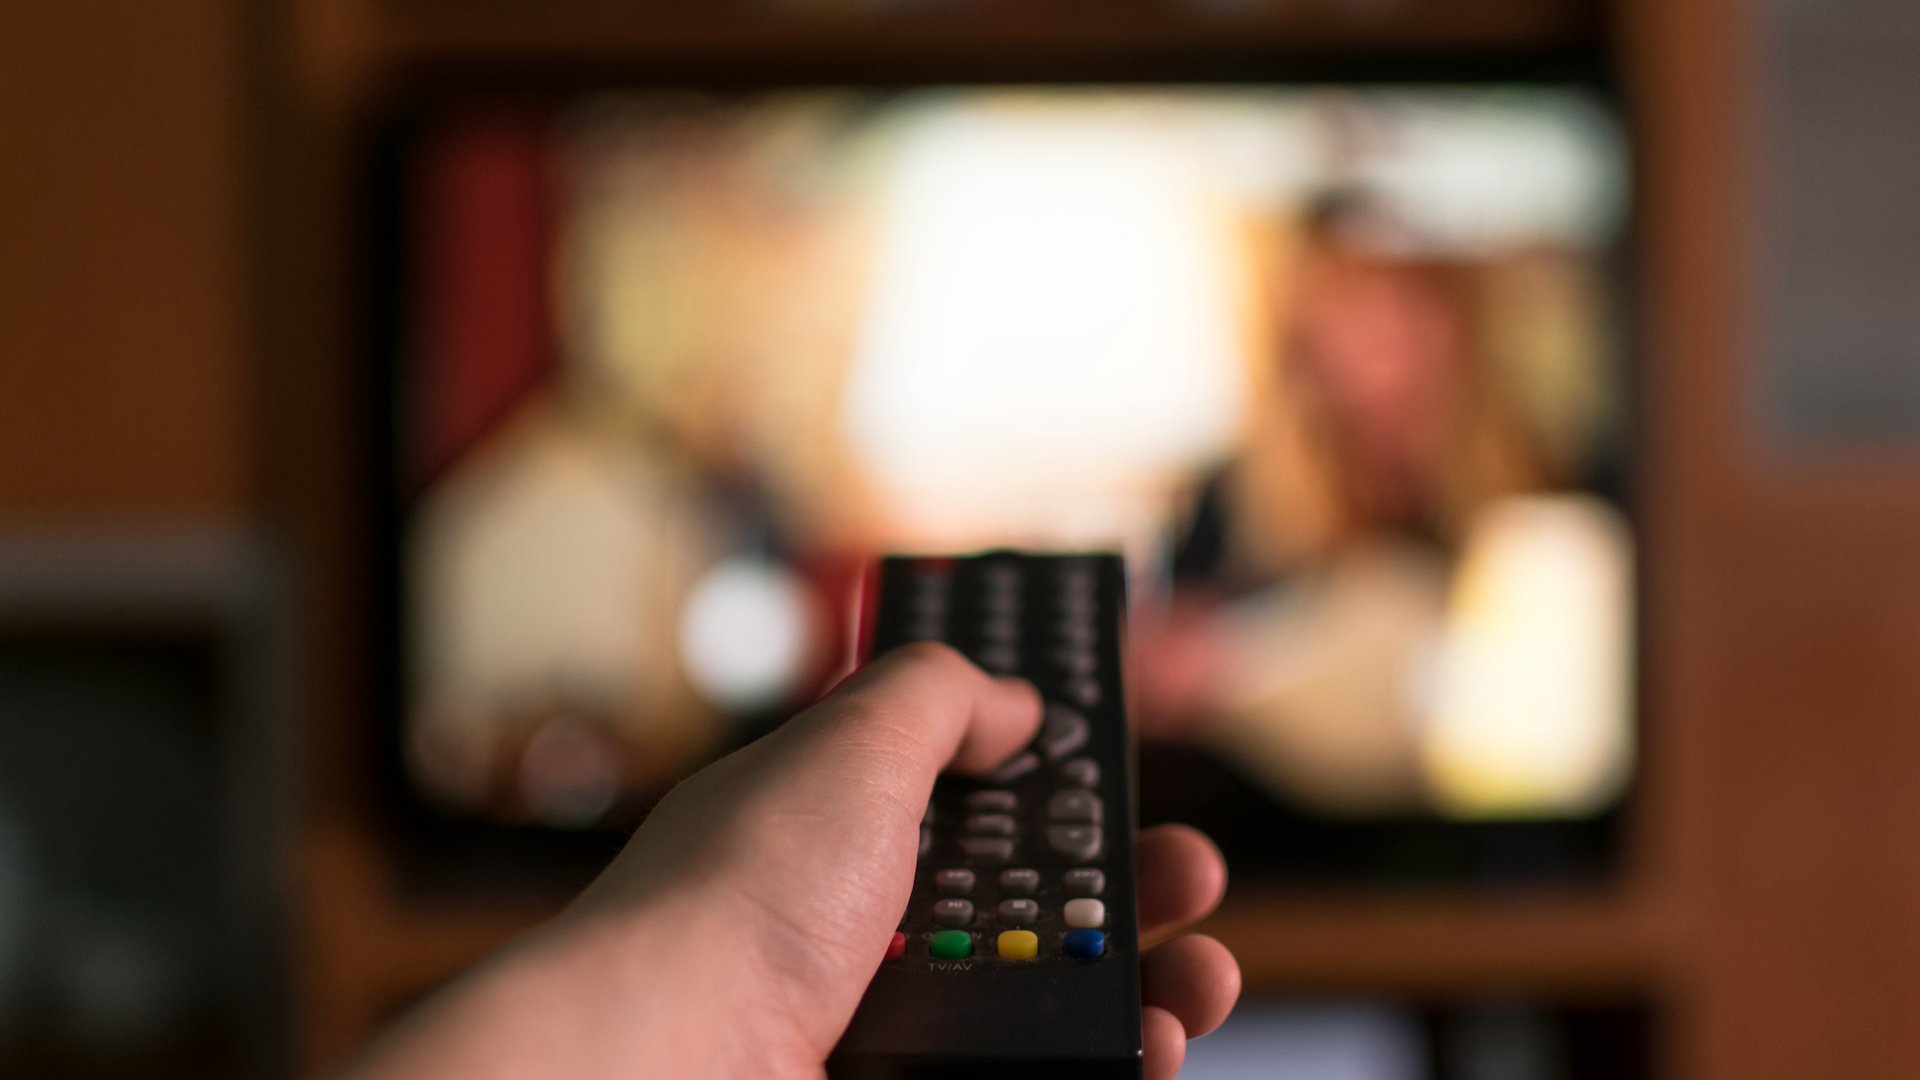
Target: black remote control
{"points": [[1019, 953]]}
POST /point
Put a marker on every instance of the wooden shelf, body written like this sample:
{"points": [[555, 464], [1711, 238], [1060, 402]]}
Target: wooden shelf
{"points": [[1561, 944], [1556, 944]]}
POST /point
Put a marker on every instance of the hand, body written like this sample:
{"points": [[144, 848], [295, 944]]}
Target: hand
{"points": [[734, 935]]}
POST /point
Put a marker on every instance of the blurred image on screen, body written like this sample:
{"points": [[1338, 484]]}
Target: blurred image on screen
{"points": [[1336, 368]]}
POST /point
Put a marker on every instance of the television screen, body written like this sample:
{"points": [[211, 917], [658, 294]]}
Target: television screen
{"points": [[1339, 369]]}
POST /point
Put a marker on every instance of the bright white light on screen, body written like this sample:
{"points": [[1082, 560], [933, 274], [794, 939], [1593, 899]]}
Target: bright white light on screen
{"points": [[746, 634], [1486, 179], [1532, 707], [1053, 320]]}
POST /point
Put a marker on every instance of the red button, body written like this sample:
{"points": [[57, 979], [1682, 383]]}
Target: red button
{"points": [[897, 948]]}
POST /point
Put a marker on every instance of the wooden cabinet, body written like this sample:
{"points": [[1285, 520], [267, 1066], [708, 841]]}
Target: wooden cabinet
{"points": [[124, 386]]}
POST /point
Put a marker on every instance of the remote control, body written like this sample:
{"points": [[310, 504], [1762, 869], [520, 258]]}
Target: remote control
{"points": [[1018, 954]]}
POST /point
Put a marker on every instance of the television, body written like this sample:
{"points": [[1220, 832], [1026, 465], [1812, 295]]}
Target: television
{"points": [[1343, 369]]}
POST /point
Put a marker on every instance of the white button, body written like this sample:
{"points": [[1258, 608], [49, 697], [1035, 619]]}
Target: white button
{"points": [[1086, 914]]}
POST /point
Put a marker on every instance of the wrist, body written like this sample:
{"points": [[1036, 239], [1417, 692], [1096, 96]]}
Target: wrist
{"points": [[666, 987]]}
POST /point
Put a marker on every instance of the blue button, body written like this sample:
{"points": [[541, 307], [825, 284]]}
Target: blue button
{"points": [[1086, 944]]}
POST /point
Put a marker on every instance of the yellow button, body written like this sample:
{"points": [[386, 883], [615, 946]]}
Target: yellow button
{"points": [[1018, 945]]}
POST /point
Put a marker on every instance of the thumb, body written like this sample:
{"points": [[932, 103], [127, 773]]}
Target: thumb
{"points": [[926, 706], [858, 767]]}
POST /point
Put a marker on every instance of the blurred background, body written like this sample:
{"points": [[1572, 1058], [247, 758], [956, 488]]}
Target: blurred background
{"points": [[429, 431]]}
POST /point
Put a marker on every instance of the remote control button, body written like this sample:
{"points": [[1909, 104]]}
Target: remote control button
{"points": [[1085, 913], [1086, 881], [995, 616], [953, 882], [1001, 629], [897, 948], [1074, 808], [1081, 772], [1019, 882], [1018, 945], [1074, 841], [926, 841], [989, 848], [1076, 660], [1015, 768], [999, 659], [1080, 607], [953, 912], [998, 598], [993, 802], [1002, 599], [954, 945], [1086, 944], [1076, 633], [923, 622], [1083, 567], [1018, 912], [1083, 692], [992, 825], [1065, 732], [1000, 575], [1076, 603]]}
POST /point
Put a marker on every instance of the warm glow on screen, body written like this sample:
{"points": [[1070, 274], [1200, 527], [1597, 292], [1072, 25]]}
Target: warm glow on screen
{"points": [[1056, 328], [1532, 706], [1335, 366]]}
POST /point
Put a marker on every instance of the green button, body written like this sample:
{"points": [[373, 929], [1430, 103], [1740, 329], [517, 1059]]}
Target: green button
{"points": [[951, 945]]}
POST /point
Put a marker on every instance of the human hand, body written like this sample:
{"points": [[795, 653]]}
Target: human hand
{"points": [[736, 932]]}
